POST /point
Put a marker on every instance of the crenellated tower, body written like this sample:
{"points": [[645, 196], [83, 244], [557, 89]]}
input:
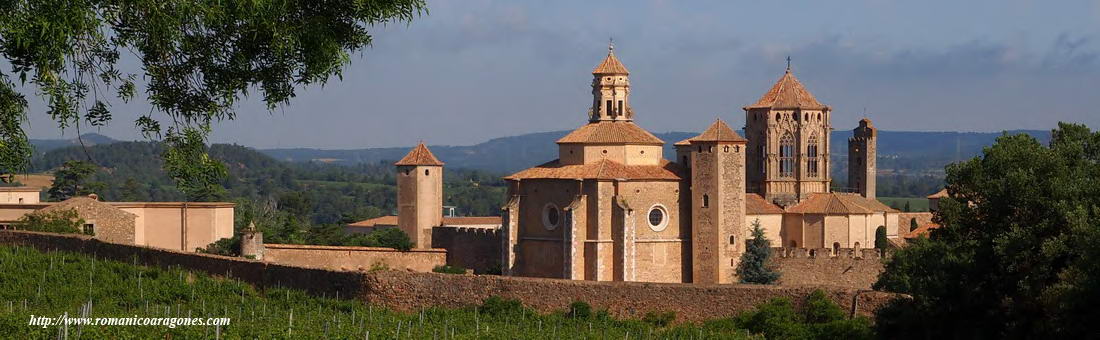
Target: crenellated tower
{"points": [[788, 148], [861, 158]]}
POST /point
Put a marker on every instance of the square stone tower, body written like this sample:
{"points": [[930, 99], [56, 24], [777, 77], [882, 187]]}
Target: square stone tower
{"points": [[788, 148], [419, 195], [861, 159], [717, 202]]}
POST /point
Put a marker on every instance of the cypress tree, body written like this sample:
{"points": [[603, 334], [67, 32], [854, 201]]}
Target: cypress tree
{"points": [[754, 262], [880, 238]]}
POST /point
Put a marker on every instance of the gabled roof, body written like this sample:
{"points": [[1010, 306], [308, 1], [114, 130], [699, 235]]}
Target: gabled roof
{"points": [[603, 169], [839, 204], [610, 65], [420, 155], [611, 132], [84, 202], [788, 93], [377, 221], [718, 131], [757, 205], [922, 230], [939, 194]]}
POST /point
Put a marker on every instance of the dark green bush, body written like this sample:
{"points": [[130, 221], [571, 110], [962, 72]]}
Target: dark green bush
{"points": [[580, 309], [496, 305], [390, 238], [59, 221], [820, 319], [659, 319], [448, 269]]}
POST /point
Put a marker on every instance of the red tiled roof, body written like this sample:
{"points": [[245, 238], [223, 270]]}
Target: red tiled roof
{"points": [[420, 155], [611, 132], [472, 220], [839, 203], [788, 93], [757, 205], [603, 169], [377, 221], [610, 65], [922, 230], [717, 132]]}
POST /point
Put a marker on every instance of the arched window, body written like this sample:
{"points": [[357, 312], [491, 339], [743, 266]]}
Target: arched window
{"points": [[811, 153], [786, 155], [777, 116]]}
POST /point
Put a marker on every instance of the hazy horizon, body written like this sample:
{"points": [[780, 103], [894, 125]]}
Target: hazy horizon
{"points": [[471, 71]]}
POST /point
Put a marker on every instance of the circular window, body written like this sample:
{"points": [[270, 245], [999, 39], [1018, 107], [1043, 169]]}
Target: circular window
{"points": [[551, 216], [658, 218]]}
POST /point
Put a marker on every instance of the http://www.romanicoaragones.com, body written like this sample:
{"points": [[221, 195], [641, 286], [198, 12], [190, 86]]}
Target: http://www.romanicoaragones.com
{"points": [[65, 320]]}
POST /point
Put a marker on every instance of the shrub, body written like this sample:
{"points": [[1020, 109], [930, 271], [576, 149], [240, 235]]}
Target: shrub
{"points": [[225, 247], [496, 305], [58, 221], [659, 319], [390, 238], [448, 269], [820, 309], [580, 309], [820, 319], [880, 238]]}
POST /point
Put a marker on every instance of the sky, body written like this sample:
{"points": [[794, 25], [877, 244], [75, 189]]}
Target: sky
{"points": [[471, 70]]}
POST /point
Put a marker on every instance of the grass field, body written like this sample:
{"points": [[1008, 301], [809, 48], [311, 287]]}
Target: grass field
{"points": [[915, 204], [50, 284]]}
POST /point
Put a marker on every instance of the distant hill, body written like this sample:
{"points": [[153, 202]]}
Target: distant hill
{"points": [[42, 146], [900, 151]]}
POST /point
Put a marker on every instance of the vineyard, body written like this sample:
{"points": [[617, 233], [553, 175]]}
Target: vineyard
{"points": [[54, 283]]}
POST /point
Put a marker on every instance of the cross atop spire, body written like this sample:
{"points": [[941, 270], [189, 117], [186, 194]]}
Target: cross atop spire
{"points": [[788, 64], [610, 45]]}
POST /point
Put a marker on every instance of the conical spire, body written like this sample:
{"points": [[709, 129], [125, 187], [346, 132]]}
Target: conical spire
{"points": [[611, 64], [420, 155], [788, 93]]}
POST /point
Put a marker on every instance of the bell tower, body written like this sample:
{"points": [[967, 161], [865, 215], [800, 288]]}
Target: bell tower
{"points": [[861, 158], [610, 90]]}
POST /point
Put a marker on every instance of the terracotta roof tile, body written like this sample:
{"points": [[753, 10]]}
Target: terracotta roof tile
{"points": [[839, 203], [788, 93], [377, 221], [610, 132], [610, 65], [922, 230], [603, 169], [757, 205], [717, 132], [420, 155]]}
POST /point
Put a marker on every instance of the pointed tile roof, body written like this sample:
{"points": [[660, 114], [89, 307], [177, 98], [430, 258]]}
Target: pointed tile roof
{"points": [[420, 155], [717, 132], [610, 65], [611, 132], [788, 93], [757, 205]]}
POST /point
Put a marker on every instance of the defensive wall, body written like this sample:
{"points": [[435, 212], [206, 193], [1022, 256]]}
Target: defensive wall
{"points": [[854, 268], [354, 258], [404, 290], [470, 248]]}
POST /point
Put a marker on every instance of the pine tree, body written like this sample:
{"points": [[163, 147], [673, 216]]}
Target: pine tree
{"points": [[754, 262]]}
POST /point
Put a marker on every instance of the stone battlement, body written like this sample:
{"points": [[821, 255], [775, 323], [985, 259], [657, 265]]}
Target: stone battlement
{"points": [[824, 253]]}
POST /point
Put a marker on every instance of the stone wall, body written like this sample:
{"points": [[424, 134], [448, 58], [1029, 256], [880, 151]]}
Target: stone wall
{"points": [[354, 258], [404, 290], [850, 268], [470, 248]]}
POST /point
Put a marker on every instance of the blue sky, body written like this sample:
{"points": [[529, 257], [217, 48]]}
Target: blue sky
{"points": [[472, 70]]}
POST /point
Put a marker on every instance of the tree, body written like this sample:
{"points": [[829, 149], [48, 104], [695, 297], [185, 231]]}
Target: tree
{"points": [[1018, 255], [73, 179], [913, 224], [58, 221], [754, 266], [880, 238], [198, 59], [907, 207]]}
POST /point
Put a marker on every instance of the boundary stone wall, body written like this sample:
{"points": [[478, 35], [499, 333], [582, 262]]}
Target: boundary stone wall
{"points": [[354, 258], [403, 290], [470, 248]]}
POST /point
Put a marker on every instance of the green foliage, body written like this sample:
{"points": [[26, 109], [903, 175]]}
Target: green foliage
{"points": [[57, 221], [754, 266], [54, 283], [580, 310], [186, 161], [880, 238], [225, 247], [913, 224], [448, 269], [73, 179], [659, 319], [821, 318], [390, 238], [1018, 255], [198, 60]]}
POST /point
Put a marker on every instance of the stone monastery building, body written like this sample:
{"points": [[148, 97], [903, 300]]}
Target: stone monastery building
{"points": [[612, 208]]}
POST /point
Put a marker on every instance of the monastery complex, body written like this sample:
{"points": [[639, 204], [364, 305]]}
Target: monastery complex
{"points": [[613, 207]]}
